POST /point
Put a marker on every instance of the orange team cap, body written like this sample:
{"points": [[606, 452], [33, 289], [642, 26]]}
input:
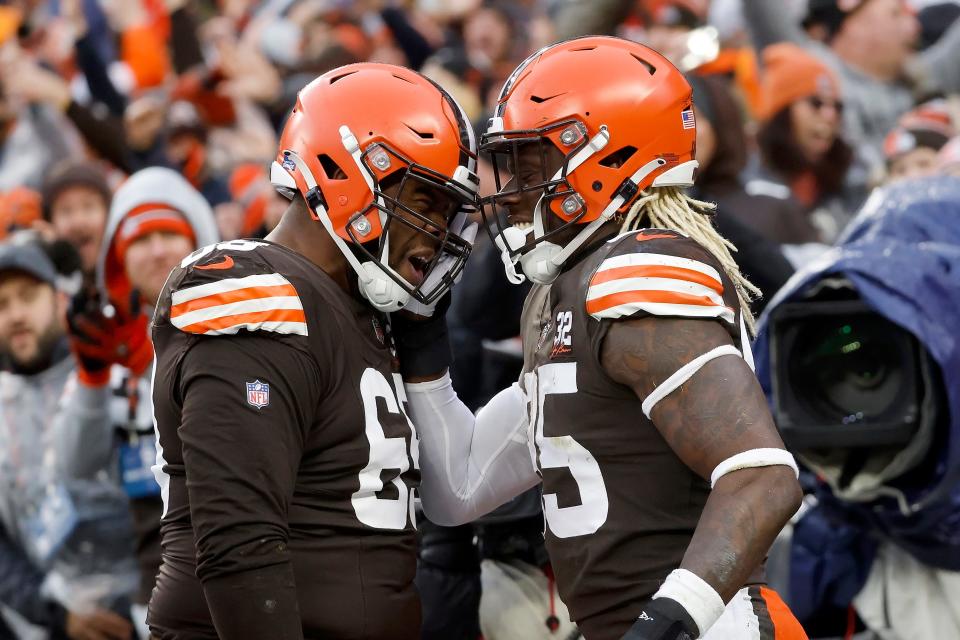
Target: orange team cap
{"points": [[149, 218], [790, 74]]}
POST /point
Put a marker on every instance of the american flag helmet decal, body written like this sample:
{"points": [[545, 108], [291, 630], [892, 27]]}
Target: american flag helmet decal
{"points": [[689, 122]]}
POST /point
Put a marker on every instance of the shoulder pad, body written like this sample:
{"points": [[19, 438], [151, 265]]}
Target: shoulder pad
{"points": [[657, 272], [227, 287]]}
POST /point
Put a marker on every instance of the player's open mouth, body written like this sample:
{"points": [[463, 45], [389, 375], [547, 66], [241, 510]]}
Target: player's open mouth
{"points": [[419, 263]]}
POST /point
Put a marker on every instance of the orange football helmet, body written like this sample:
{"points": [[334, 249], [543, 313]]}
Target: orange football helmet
{"points": [[354, 127], [622, 116]]}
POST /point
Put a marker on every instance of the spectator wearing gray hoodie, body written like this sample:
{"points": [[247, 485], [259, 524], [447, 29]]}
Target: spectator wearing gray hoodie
{"points": [[66, 558], [156, 219]]}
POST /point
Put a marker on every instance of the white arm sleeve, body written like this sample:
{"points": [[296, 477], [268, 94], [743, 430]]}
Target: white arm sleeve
{"points": [[469, 465]]}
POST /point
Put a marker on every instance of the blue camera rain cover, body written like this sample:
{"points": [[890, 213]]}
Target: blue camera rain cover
{"points": [[902, 253]]}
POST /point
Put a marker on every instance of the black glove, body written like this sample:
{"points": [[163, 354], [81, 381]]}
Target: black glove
{"points": [[423, 344], [663, 619]]}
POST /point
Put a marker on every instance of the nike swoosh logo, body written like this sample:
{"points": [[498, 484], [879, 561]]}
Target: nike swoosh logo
{"points": [[641, 237], [226, 263]]}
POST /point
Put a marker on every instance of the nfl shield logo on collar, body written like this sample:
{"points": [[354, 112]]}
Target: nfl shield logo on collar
{"points": [[258, 394]]}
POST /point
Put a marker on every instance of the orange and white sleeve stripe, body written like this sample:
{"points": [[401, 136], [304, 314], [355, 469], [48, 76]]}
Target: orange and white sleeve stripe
{"points": [[657, 284], [264, 302]]}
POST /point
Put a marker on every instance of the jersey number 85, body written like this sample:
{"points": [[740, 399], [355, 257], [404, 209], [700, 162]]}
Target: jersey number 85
{"points": [[565, 452]]}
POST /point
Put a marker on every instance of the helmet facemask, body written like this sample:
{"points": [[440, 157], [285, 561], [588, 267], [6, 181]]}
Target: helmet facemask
{"points": [[369, 254], [557, 196], [414, 181], [505, 150]]}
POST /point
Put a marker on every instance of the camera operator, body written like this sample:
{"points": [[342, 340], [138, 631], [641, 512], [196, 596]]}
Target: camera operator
{"points": [[859, 357]]}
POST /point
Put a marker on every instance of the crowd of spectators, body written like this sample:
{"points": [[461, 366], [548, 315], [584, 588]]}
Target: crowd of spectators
{"points": [[803, 107]]}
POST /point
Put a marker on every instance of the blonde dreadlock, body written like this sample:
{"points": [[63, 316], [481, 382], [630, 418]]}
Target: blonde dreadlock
{"points": [[671, 208]]}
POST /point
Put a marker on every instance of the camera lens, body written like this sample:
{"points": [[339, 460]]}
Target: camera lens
{"points": [[848, 370]]}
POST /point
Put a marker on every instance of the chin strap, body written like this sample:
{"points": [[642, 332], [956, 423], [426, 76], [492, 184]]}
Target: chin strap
{"points": [[505, 241]]}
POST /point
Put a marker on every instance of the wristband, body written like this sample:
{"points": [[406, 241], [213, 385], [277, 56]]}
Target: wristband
{"points": [[693, 593]]}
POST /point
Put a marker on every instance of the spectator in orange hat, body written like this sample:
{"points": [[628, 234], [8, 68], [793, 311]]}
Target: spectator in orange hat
{"points": [[872, 45], [802, 154], [156, 219], [757, 224], [19, 209]]}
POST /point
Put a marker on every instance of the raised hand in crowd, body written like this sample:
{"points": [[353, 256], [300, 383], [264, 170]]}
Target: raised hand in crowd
{"points": [[28, 82], [103, 335]]}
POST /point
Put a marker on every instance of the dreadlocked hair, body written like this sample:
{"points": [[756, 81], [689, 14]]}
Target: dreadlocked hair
{"points": [[671, 208]]}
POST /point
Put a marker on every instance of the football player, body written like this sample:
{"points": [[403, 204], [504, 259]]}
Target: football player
{"points": [[664, 479], [286, 459]]}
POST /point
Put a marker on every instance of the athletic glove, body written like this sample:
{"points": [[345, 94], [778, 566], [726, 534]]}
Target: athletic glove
{"points": [[663, 619], [423, 344], [100, 339]]}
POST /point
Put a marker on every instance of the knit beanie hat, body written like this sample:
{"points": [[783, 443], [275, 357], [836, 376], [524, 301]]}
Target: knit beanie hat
{"points": [[19, 208], [73, 173], [146, 219], [927, 126], [902, 140], [790, 74]]}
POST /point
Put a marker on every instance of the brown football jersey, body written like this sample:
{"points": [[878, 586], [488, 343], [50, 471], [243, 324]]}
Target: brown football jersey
{"points": [[620, 506], [285, 453]]}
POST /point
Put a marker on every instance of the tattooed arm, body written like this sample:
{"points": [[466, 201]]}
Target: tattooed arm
{"points": [[719, 412]]}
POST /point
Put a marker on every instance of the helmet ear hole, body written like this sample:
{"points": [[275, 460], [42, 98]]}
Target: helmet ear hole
{"points": [[331, 168], [618, 158]]}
